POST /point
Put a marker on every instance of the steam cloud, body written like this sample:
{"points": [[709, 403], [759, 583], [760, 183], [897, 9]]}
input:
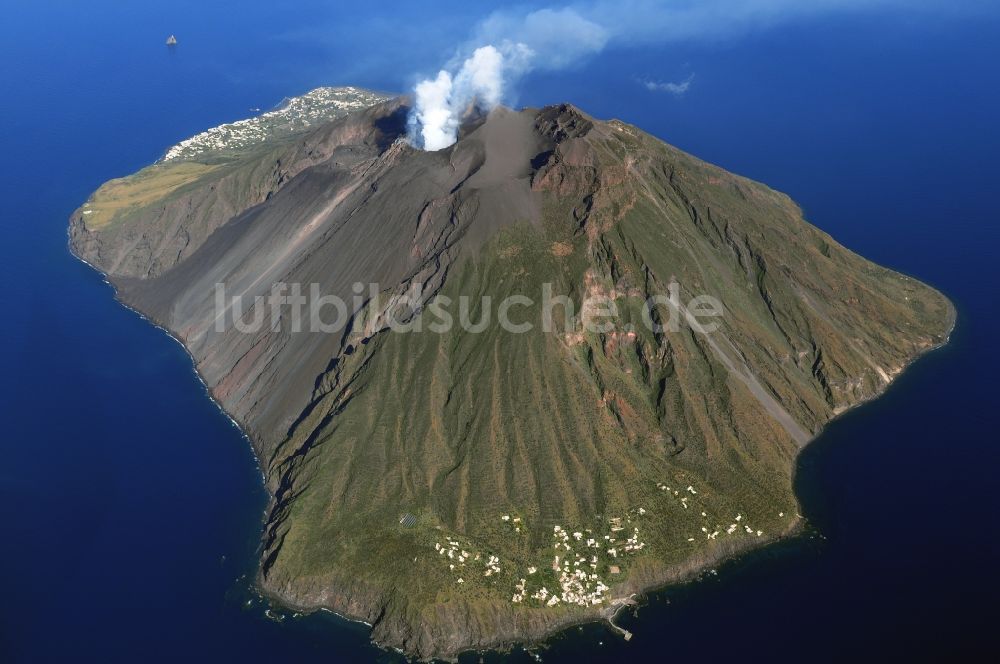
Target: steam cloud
{"points": [[508, 44], [546, 39], [441, 102]]}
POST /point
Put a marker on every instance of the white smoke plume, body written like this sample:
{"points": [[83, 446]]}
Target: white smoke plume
{"points": [[507, 47], [509, 43], [439, 103]]}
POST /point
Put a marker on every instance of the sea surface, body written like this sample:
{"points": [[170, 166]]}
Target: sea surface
{"points": [[130, 507]]}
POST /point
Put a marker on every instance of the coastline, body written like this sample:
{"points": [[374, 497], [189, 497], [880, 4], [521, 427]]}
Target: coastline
{"points": [[639, 593], [634, 593]]}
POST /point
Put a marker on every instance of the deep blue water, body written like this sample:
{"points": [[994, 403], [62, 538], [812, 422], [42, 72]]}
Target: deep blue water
{"points": [[130, 508]]}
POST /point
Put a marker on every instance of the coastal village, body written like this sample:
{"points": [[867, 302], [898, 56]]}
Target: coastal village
{"points": [[583, 564], [295, 114]]}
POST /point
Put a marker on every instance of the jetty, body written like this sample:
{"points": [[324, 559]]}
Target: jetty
{"points": [[612, 612]]}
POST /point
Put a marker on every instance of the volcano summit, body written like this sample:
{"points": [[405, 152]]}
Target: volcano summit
{"points": [[471, 489]]}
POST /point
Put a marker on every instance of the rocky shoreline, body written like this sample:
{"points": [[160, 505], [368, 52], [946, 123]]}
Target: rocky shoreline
{"points": [[456, 632], [506, 633]]}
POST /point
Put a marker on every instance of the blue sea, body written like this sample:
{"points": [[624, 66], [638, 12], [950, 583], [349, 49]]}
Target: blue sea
{"points": [[130, 507]]}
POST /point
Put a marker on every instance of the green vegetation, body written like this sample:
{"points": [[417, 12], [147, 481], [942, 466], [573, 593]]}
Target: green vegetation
{"points": [[136, 192], [635, 456]]}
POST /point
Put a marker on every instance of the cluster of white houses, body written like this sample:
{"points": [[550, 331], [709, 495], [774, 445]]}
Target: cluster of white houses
{"points": [[582, 557], [578, 566], [712, 533]]}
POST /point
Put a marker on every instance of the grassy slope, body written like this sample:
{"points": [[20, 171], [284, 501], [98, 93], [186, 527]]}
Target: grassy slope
{"points": [[519, 425], [462, 429], [117, 198]]}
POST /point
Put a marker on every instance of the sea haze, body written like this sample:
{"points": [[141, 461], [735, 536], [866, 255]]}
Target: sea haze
{"points": [[132, 507]]}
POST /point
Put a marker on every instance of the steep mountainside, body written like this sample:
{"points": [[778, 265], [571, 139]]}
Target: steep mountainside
{"points": [[462, 490]]}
